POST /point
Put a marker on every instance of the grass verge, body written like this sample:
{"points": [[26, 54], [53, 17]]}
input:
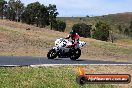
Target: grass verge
{"points": [[44, 77]]}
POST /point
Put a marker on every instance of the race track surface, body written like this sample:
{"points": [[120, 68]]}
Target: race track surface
{"points": [[27, 60]]}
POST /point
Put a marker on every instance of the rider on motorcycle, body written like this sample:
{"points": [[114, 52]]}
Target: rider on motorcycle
{"points": [[74, 38]]}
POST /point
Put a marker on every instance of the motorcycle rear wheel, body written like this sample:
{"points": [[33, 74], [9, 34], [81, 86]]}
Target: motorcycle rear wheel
{"points": [[52, 54]]}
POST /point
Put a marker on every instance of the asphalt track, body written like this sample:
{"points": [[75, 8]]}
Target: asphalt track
{"points": [[28, 60]]}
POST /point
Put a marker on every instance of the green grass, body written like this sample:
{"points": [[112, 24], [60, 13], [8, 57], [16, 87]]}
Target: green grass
{"points": [[44, 77]]}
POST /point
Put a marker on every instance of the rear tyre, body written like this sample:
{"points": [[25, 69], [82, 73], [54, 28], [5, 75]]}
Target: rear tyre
{"points": [[75, 54], [52, 54]]}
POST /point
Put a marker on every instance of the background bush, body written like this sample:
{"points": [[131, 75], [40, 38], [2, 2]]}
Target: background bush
{"points": [[59, 26], [101, 31], [82, 29]]}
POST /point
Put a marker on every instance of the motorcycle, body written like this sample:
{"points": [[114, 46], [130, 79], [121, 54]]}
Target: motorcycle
{"points": [[63, 49]]}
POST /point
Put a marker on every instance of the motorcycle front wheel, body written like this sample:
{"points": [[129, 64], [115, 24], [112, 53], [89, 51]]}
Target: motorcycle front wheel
{"points": [[75, 54], [52, 54]]}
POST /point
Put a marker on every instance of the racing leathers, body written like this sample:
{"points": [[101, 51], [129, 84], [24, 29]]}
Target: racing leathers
{"points": [[74, 38]]}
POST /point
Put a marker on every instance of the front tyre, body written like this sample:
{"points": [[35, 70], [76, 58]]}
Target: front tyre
{"points": [[52, 54], [75, 54]]}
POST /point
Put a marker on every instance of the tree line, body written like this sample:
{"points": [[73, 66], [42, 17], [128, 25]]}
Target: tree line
{"points": [[34, 14]]}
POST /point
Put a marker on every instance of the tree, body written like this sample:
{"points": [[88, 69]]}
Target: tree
{"points": [[14, 10], [130, 28], [120, 29], [52, 14], [35, 13], [59, 26], [101, 31], [31, 13], [126, 31], [2, 8], [10, 10], [43, 17], [19, 8], [82, 29]]}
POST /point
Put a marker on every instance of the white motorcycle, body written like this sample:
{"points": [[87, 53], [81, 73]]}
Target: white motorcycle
{"points": [[63, 49]]}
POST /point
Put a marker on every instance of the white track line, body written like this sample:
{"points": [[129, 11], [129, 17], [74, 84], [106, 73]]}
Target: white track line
{"points": [[43, 65]]}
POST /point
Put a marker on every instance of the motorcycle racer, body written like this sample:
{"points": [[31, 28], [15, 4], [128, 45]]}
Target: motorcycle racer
{"points": [[74, 38]]}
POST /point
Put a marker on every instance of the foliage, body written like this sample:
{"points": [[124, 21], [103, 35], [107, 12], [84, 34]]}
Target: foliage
{"points": [[114, 20], [52, 14], [130, 27], [120, 28], [101, 31], [14, 10], [59, 25], [34, 13], [126, 31], [2, 8], [82, 29], [31, 13]]}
